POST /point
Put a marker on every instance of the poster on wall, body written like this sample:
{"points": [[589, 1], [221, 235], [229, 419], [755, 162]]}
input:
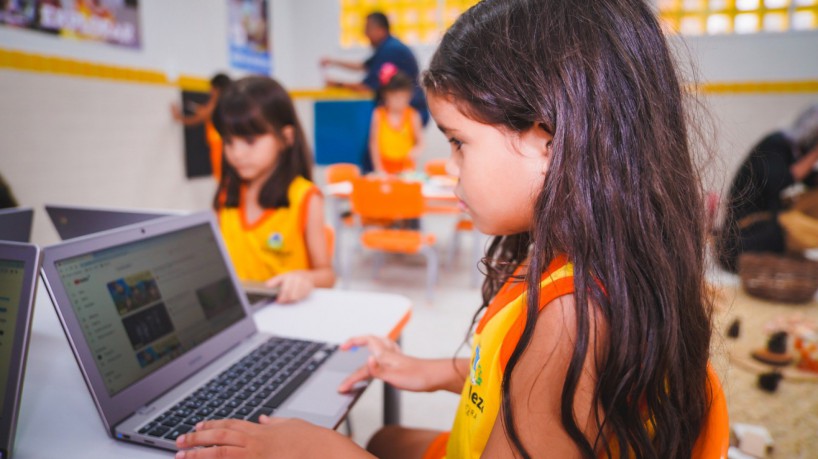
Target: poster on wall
{"points": [[110, 21], [248, 33]]}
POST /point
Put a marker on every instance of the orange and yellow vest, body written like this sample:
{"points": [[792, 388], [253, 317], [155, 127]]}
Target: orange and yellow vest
{"points": [[494, 340], [275, 243], [395, 143], [214, 142]]}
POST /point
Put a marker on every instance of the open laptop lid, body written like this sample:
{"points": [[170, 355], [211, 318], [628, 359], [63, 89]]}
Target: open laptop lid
{"points": [[15, 224], [73, 221], [18, 271], [146, 306]]}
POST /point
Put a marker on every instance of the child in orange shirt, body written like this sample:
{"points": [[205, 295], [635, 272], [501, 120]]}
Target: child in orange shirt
{"points": [[396, 133], [270, 214]]}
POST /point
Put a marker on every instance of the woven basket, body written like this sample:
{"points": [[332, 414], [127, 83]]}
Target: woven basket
{"points": [[778, 278]]}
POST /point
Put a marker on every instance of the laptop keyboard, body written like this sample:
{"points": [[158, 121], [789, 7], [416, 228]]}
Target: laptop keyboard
{"points": [[258, 384]]}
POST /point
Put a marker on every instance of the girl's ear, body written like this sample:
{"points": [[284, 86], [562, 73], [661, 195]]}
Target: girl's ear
{"points": [[550, 142], [288, 133], [537, 142]]}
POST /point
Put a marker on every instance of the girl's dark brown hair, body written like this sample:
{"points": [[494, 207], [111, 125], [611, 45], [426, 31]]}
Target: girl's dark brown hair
{"points": [[621, 198], [251, 107]]}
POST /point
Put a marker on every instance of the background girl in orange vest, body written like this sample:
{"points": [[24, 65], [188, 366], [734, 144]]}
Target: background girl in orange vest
{"points": [[396, 133], [567, 126], [271, 215], [204, 114]]}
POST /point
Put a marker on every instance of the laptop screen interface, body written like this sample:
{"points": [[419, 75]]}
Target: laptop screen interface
{"points": [[142, 304], [12, 275]]}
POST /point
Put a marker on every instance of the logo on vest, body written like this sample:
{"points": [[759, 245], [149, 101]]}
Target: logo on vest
{"points": [[275, 241], [476, 372]]}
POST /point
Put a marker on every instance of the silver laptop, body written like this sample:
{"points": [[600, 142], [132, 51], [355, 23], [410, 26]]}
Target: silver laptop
{"points": [[15, 224], [73, 221], [164, 339], [18, 281]]}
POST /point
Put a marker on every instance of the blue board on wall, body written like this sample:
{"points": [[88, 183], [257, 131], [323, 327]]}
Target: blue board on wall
{"points": [[342, 131]]}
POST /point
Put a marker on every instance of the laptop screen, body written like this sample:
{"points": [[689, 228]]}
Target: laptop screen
{"points": [[12, 275], [15, 224], [141, 305]]}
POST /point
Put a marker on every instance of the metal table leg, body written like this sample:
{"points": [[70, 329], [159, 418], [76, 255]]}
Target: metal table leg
{"points": [[391, 403]]}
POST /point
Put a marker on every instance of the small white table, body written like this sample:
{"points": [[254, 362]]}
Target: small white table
{"points": [[58, 418]]}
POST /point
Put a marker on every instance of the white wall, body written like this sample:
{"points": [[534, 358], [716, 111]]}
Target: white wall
{"points": [[95, 142], [766, 57], [82, 141], [741, 120]]}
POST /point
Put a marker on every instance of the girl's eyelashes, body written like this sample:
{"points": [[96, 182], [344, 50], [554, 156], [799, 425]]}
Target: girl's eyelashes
{"points": [[455, 142]]}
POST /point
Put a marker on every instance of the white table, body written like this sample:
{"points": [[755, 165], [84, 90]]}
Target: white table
{"points": [[430, 190], [58, 418]]}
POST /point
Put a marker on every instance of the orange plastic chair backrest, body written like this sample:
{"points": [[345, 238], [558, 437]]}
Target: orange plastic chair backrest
{"points": [[386, 198], [342, 172], [435, 167], [714, 440]]}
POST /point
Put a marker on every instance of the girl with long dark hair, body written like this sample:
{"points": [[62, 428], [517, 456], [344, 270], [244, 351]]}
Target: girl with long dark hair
{"points": [[567, 126]]}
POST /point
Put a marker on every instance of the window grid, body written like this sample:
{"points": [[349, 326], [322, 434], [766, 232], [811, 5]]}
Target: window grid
{"points": [[415, 22], [715, 17]]}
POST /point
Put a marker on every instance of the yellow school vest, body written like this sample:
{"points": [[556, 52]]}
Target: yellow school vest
{"points": [[494, 340], [275, 243], [214, 141], [395, 143]]}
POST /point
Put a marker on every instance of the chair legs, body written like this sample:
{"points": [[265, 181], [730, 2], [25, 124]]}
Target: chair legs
{"points": [[378, 259], [476, 256], [454, 249], [431, 271], [345, 262]]}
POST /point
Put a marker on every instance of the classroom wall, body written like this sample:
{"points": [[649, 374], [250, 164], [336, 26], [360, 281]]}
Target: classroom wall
{"points": [[81, 141], [737, 121], [85, 141]]}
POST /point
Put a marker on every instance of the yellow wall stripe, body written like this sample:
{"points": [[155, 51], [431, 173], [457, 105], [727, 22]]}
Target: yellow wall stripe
{"points": [[17, 60], [760, 87]]}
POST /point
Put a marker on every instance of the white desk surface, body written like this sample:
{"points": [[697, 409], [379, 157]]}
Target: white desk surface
{"points": [[58, 418]]}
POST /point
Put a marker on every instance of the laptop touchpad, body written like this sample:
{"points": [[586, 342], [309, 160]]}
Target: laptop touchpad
{"points": [[320, 394]]}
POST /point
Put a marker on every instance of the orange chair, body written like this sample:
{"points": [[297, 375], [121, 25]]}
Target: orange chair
{"points": [[435, 167], [337, 173], [393, 199], [341, 172], [714, 440]]}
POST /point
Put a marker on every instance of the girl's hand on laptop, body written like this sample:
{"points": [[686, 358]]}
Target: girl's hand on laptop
{"points": [[272, 437], [294, 285], [388, 363]]}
